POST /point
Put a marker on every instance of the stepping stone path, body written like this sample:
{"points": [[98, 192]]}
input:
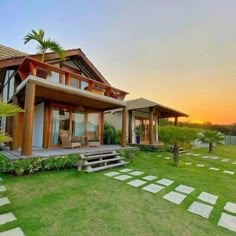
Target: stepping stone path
{"points": [[228, 172], [234, 163], [136, 183], [201, 209], [214, 157], [111, 174], [213, 168], [205, 157], [208, 197], [188, 163], [150, 177], [159, 155], [167, 158], [122, 177], [4, 201], [225, 160], [6, 218], [200, 165], [184, 189], [196, 154], [174, 197], [231, 207], [228, 221], [13, 232], [2, 188], [136, 173], [166, 182], [125, 170], [153, 188]]}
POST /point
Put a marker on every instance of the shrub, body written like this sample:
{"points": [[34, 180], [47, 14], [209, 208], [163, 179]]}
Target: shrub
{"points": [[36, 164], [111, 135]]}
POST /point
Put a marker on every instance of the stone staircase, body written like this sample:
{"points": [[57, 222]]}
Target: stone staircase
{"points": [[92, 162]]}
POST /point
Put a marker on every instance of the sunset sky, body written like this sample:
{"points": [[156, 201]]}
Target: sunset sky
{"points": [[180, 53]]}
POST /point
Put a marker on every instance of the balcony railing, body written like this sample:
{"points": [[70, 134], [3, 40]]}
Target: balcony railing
{"points": [[58, 75]]}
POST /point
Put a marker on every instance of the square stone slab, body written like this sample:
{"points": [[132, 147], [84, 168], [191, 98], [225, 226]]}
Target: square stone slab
{"points": [[200, 209], [166, 182], [137, 182], [2, 188], [228, 172], [167, 158], [200, 165], [136, 173], [122, 177], [214, 157], [205, 157], [150, 177], [228, 222], [234, 163], [196, 154], [153, 188], [231, 207], [13, 232], [208, 197], [184, 189], [125, 170], [188, 154], [111, 174], [225, 160], [174, 197], [4, 201], [188, 163], [213, 168], [6, 218], [159, 155]]}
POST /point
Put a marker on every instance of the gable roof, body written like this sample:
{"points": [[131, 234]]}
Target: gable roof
{"points": [[8, 53], [12, 57], [140, 103]]}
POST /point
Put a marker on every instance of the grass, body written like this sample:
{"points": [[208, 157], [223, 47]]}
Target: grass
{"points": [[71, 203]]}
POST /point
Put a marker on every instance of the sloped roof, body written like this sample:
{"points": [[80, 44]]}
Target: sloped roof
{"points": [[140, 103], [7, 53]]}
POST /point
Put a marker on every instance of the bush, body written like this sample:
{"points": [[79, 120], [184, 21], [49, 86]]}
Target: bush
{"points": [[111, 135], [36, 164]]}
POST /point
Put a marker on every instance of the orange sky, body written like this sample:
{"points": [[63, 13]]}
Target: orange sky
{"points": [[179, 53]]}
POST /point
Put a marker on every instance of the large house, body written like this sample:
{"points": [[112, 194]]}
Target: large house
{"points": [[56, 94]]}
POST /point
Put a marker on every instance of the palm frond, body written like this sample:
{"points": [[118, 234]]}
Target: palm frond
{"points": [[34, 35], [7, 109], [55, 47], [5, 138]]}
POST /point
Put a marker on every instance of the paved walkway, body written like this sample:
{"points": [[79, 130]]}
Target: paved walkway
{"points": [[7, 217], [202, 206]]}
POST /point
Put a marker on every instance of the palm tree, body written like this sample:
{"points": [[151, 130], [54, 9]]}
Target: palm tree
{"points": [[211, 137], [44, 44]]}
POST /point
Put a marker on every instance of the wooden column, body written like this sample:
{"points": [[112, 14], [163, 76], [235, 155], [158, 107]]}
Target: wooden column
{"points": [[157, 124], [46, 125], [15, 126], [176, 121], [102, 126], [151, 125], [28, 120], [130, 129], [124, 121]]}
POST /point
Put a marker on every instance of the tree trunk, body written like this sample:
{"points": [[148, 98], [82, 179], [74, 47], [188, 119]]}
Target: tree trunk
{"points": [[176, 154], [43, 55], [210, 147]]}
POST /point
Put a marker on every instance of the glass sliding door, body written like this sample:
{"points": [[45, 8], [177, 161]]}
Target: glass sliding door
{"points": [[60, 120], [78, 123]]}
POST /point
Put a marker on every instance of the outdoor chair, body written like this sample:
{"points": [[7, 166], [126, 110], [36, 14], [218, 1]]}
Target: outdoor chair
{"points": [[69, 141], [92, 139]]}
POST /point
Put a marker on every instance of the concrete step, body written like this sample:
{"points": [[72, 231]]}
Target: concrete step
{"points": [[95, 156], [106, 167], [102, 161]]}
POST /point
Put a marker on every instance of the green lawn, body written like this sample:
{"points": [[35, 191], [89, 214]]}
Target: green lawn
{"points": [[71, 203]]}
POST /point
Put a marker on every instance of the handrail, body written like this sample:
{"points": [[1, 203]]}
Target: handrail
{"points": [[30, 66]]}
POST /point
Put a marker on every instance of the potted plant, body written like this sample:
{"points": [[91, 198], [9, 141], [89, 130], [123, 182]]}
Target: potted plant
{"points": [[138, 132], [108, 132]]}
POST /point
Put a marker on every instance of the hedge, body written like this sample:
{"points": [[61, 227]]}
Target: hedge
{"points": [[35, 164], [150, 147]]}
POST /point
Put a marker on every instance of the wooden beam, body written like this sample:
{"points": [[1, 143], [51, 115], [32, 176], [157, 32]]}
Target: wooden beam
{"points": [[28, 120], [46, 126], [151, 125], [15, 126], [102, 126], [130, 129], [176, 121], [124, 121]]}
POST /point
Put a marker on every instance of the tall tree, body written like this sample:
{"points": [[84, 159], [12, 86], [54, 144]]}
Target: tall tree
{"points": [[211, 137], [44, 44], [177, 137], [5, 111]]}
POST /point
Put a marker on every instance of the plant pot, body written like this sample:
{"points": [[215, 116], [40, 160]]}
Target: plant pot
{"points": [[138, 139], [108, 139]]}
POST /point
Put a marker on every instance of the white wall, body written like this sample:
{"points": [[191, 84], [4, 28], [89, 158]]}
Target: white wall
{"points": [[114, 119], [38, 125]]}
